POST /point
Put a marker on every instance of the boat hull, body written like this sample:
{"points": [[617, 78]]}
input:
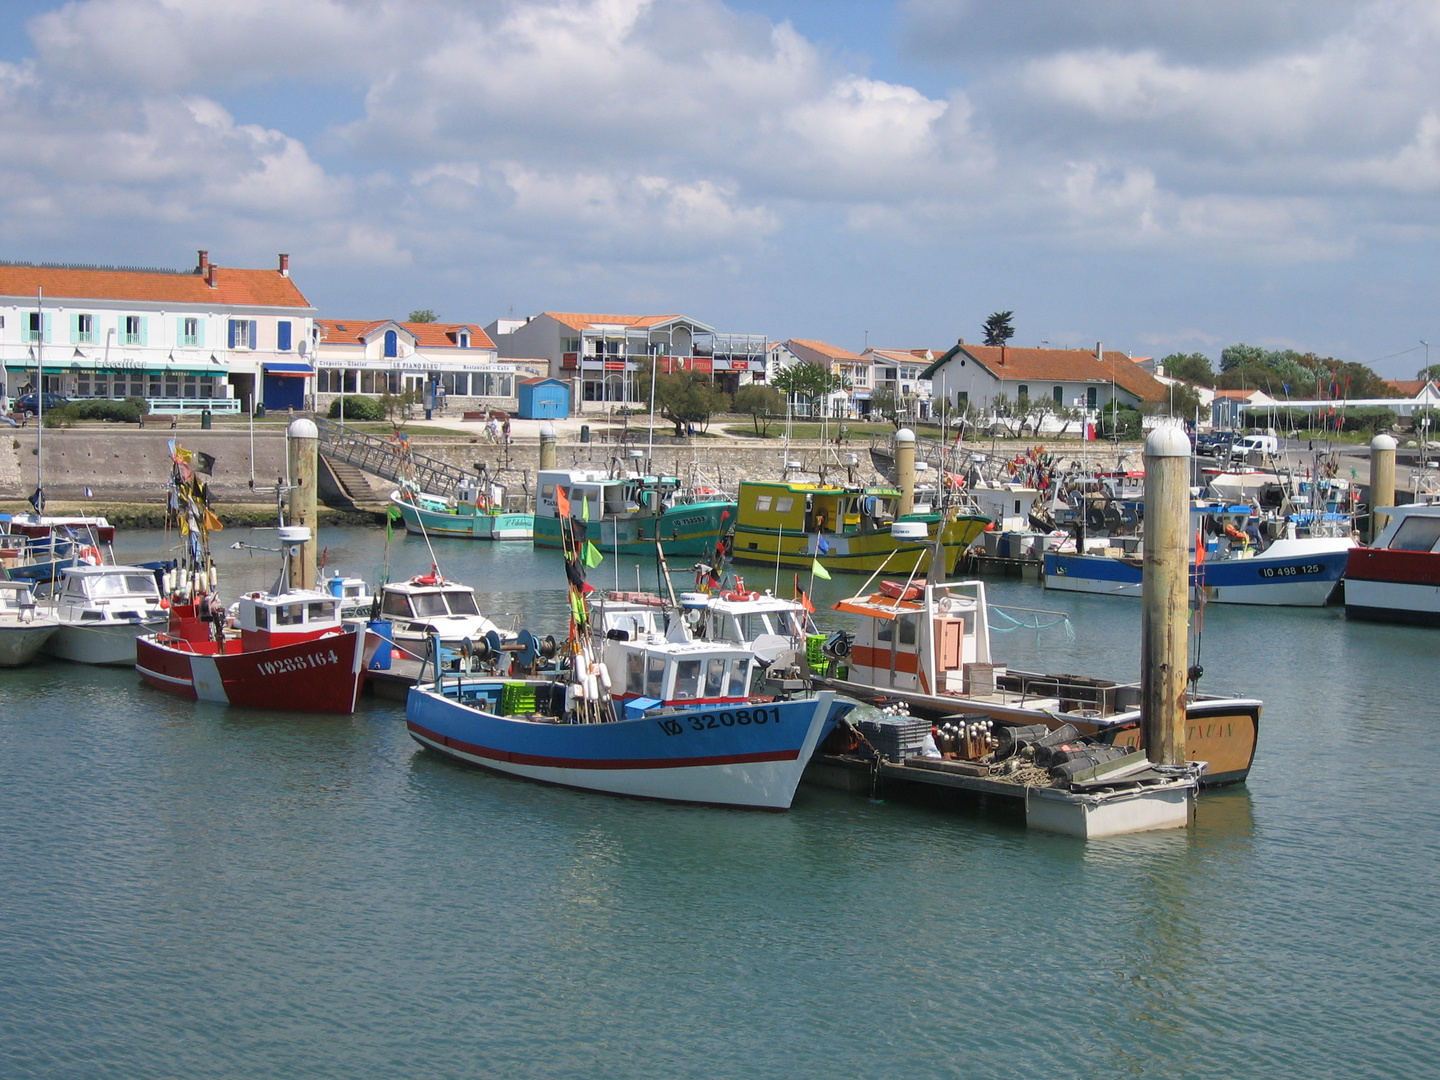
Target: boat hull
{"points": [[475, 526], [687, 756], [862, 553], [1383, 585], [321, 675], [1300, 580], [19, 642], [690, 529], [106, 644]]}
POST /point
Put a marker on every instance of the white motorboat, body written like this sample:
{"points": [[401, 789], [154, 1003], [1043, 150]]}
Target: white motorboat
{"points": [[101, 611], [24, 625], [428, 605]]}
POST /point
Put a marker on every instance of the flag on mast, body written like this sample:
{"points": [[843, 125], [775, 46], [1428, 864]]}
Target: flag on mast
{"points": [[818, 570]]}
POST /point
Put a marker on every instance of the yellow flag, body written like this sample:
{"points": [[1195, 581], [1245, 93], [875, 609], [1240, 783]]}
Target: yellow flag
{"points": [[818, 570]]}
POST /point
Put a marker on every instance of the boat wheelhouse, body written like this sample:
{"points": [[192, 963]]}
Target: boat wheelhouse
{"points": [[102, 610], [628, 513], [476, 512]]}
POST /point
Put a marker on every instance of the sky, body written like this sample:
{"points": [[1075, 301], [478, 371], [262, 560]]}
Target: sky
{"points": [[1159, 176]]}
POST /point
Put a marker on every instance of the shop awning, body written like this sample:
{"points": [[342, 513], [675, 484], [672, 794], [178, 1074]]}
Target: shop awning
{"points": [[288, 369]]}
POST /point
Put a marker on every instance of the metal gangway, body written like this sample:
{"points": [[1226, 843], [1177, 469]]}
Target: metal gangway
{"points": [[390, 457]]}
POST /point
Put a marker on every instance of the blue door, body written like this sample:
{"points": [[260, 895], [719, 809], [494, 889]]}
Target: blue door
{"points": [[284, 392]]}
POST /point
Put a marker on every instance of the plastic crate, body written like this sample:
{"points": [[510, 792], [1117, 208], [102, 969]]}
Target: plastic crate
{"points": [[517, 699]]}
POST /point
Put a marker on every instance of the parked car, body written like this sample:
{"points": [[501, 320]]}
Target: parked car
{"points": [[27, 404], [1215, 443], [1250, 444]]}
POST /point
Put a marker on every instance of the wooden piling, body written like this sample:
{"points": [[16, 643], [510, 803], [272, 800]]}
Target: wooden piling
{"points": [[905, 470], [302, 444], [1163, 621], [1382, 481], [547, 446]]}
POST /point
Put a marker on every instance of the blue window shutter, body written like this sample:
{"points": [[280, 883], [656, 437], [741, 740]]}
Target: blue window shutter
{"points": [[144, 330], [232, 333], [391, 343], [180, 330], [200, 332], [254, 336], [282, 336], [45, 330], [74, 329]]}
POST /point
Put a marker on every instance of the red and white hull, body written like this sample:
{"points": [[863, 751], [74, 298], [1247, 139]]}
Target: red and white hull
{"points": [[322, 674], [1393, 586]]}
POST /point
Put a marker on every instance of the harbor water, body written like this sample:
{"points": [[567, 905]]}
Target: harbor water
{"points": [[199, 891]]}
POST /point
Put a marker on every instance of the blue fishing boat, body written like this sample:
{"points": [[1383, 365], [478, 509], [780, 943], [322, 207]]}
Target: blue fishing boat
{"points": [[1235, 566], [473, 513]]}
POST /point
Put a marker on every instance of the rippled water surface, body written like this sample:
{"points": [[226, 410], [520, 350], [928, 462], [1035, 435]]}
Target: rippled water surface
{"points": [[191, 890]]}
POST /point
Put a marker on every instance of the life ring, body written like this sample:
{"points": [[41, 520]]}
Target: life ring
{"points": [[427, 579], [734, 594], [1235, 534], [90, 555]]}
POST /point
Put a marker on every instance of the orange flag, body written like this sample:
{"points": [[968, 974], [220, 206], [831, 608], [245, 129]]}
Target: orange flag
{"points": [[562, 502]]}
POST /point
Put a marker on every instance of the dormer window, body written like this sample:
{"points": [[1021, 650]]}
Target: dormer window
{"points": [[462, 339], [392, 344]]}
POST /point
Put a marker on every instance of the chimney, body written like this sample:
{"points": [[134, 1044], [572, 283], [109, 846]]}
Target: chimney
{"points": [[1002, 354], [210, 275], [204, 261], [1099, 352], [284, 265]]}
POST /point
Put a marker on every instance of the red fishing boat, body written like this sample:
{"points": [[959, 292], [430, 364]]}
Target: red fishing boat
{"points": [[288, 648]]}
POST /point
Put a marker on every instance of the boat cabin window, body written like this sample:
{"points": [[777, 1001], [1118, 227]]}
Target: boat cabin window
{"points": [[784, 504], [462, 602], [1416, 534], [289, 614], [715, 677], [687, 678], [762, 503], [428, 605], [739, 677], [634, 671], [262, 617], [395, 604], [106, 585], [655, 677], [886, 632], [322, 611], [750, 626]]}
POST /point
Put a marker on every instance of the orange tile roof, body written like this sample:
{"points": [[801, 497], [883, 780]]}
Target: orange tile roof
{"points": [[427, 335], [907, 356], [233, 288], [584, 322], [821, 352], [1062, 365], [1407, 387]]}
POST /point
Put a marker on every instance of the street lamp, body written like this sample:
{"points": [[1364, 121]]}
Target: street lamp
{"points": [[1427, 355]]}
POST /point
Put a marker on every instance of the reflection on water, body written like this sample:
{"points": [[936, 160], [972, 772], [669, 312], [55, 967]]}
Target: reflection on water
{"points": [[201, 891]]}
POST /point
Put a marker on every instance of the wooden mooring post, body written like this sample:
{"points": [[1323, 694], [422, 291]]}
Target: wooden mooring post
{"points": [[1164, 619]]}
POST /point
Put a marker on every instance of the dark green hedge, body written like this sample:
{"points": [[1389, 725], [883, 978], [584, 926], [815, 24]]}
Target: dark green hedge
{"points": [[357, 407]]}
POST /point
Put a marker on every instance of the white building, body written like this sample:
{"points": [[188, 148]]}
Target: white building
{"points": [[601, 355], [980, 376], [898, 370], [378, 356], [212, 337]]}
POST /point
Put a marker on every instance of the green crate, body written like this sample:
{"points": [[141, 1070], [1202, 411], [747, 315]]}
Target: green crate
{"points": [[814, 649], [517, 699]]}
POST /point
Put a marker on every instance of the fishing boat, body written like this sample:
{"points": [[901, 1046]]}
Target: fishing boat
{"points": [[288, 650], [102, 610], [627, 514], [473, 513], [24, 626], [1397, 577], [927, 643], [1235, 563], [854, 529]]}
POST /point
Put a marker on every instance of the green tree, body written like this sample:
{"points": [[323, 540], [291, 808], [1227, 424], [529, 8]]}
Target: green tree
{"points": [[763, 404], [1181, 400], [682, 397], [1192, 367], [809, 381], [422, 315], [998, 329], [1430, 374], [887, 403], [1120, 423]]}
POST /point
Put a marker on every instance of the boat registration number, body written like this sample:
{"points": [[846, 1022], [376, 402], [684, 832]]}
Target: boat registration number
{"points": [[1291, 571], [709, 721], [298, 663]]}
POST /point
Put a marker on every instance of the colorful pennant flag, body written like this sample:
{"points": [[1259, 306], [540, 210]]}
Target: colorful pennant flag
{"points": [[562, 501], [584, 507], [593, 558], [818, 570]]}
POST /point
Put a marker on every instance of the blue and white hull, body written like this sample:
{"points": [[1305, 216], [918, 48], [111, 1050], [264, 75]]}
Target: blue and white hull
{"points": [[1290, 573], [721, 755]]}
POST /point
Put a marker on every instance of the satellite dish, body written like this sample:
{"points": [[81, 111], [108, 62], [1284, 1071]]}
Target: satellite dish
{"points": [[768, 646]]}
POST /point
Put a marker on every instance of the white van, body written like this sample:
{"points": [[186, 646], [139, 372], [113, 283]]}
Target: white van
{"points": [[1255, 444]]}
